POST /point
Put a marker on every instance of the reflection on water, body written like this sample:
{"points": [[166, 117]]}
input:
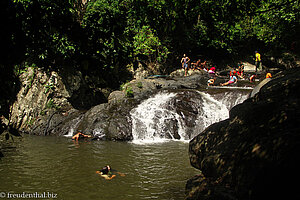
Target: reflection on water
{"points": [[58, 165]]}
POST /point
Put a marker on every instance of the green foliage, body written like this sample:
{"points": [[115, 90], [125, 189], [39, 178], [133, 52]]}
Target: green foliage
{"points": [[129, 92], [102, 37], [109, 34], [112, 33], [139, 85], [23, 68], [51, 105], [49, 86], [146, 43], [127, 88]]}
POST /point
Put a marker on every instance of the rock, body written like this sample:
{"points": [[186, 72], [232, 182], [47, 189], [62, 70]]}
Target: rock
{"points": [[142, 87], [111, 119], [61, 104], [248, 67], [181, 73], [43, 94], [116, 96], [254, 153]]}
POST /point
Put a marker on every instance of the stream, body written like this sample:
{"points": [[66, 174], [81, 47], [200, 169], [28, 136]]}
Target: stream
{"points": [[155, 166], [61, 166]]}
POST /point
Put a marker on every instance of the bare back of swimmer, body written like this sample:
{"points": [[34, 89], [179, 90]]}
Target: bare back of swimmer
{"points": [[108, 173]]}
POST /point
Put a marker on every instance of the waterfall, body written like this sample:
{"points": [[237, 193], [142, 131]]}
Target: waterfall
{"points": [[149, 119], [74, 124], [212, 111], [158, 118]]}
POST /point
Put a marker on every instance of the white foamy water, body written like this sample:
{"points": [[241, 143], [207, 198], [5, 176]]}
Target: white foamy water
{"points": [[75, 123], [213, 111], [153, 121], [150, 117]]}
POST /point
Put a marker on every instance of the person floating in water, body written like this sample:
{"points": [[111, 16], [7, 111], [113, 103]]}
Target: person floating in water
{"points": [[232, 80], [108, 173], [80, 136]]}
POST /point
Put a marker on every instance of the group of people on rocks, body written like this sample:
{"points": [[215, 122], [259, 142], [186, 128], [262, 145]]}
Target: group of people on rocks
{"points": [[234, 75], [198, 65]]}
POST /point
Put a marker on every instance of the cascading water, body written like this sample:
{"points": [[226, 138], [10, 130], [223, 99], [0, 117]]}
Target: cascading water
{"points": [[179, 116], [74, 124], [212, 111], [150, 119]]}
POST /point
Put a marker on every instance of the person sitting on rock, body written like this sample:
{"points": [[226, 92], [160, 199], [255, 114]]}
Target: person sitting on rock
{"points": [[196, 65], [241, 69], [203, 65], [268, 75], [252, 78], [211, 81], [232, 80], [80, 136], [212, 70]]}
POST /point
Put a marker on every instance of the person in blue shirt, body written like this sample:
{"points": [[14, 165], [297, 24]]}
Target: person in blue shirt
{"points": [[232, 80]]}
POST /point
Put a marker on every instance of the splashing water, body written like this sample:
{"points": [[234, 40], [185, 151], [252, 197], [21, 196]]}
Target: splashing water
{"points": [[74, 123], [156, 120], [213, 111], [150, 117]]}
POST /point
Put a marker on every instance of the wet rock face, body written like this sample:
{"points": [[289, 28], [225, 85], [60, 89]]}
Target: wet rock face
{"points": [[254, 153], [111, 121], [187, 105], [115, 121]]}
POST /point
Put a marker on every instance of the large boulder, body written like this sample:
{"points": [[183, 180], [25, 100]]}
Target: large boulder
{"points": [[46, 99], [254, 153]]}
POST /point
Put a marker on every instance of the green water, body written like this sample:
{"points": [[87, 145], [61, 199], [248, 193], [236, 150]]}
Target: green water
{"points": [[60, 166]]}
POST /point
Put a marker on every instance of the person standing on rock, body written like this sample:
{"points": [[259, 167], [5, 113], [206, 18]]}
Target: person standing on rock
{"points": [[257, 61], [184, 61]]}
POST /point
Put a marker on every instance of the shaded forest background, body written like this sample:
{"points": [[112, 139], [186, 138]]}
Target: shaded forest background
{"points": [[107, 37]]}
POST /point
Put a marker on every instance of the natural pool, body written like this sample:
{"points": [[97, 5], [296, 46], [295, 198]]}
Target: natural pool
{"points": [[61, 166]]}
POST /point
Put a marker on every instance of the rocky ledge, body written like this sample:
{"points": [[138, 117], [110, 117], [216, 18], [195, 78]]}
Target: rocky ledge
{"points": [[254, 153], [63, 104]]}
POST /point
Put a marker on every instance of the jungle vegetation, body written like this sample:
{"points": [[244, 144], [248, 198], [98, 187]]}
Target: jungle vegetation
{"points": [[104, 37]]}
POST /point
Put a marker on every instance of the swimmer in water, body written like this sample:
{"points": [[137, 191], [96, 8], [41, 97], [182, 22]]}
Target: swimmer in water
{"points": [[107, 173], [80, 136]]}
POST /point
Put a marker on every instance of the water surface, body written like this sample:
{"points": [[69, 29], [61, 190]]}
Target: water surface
{"points": [[61, 166]]}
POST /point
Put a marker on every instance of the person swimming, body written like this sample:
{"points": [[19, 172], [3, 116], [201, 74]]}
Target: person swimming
{"points": [[80, 136], [108, 173]]}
